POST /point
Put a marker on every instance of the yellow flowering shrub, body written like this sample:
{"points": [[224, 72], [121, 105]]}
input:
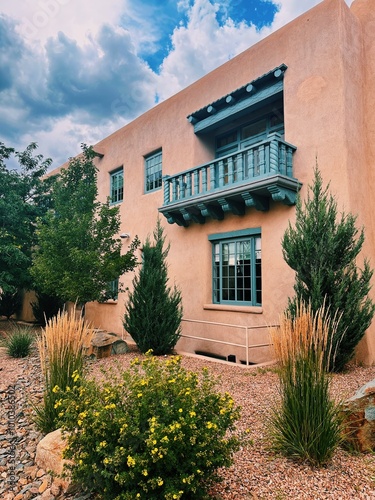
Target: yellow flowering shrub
{"points": [[167, 443]]}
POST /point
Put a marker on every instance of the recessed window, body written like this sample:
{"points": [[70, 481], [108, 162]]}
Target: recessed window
{"points": [[153, 171], [236, 268], [117, 186], [113, 289]]}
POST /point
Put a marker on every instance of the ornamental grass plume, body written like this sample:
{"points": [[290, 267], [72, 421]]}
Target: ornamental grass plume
{"points": [[307, 424], [60, 347]]}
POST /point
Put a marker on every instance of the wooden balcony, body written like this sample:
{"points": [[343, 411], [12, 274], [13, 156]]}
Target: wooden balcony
{"points": [[250, 177]]}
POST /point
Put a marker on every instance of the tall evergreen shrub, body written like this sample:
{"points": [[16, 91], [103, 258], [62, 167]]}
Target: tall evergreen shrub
{"points": [[322, 248], [154, 310]]}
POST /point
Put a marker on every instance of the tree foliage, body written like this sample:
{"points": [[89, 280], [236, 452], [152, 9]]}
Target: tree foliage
{"points": [[154, 311], [322, 248], [78, 253], [24, 197]]}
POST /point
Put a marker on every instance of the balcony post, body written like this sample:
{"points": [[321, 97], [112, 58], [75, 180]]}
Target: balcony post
{"points": [[274, 155], [166, 181]]}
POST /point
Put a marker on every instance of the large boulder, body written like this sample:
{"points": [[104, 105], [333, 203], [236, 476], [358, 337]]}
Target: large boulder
{"points": [[104, 344], [49, 456], [359, 412]]}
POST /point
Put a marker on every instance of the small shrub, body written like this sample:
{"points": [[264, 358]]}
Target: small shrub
{"points": [[10, 303], [308, 424], [46, 307], [61, 354], [154, 432], [18, 342]]}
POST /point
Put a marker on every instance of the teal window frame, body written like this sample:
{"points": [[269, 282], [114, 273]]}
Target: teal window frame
{"points": [[234, 139], [113, 287], [237, 267], [117, 186], [153, 171]]}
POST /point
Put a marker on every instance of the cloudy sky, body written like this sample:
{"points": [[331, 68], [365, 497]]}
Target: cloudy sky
{"points": [[73, 71]]}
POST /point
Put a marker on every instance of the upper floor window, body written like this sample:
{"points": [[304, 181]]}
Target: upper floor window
{"points": [[153, 171], [117, 186], [251, 132], [236, 268]]}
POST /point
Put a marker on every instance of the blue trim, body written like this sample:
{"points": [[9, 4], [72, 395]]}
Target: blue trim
{"points": [[118, 191], [239, 109], [235, 234], [149, 174]]}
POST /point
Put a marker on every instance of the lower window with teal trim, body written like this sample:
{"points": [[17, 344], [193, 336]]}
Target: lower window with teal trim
{"points": [[237, 268]]}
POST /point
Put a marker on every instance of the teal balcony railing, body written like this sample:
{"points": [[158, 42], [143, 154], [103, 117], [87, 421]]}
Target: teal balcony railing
{"points": [[247, 178]]}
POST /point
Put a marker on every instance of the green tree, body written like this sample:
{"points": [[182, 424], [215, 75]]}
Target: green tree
{"points": [[322, 249], [24, 197], [154, 312], [78, 254]]}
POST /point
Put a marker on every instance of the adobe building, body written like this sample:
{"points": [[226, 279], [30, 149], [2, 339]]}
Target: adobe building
{"points": [[221, 163]]}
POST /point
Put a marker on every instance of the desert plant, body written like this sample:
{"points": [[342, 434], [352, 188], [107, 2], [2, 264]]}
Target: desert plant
{"points": [[45, 307], [322, 248], [61, 354], [156, 431], [307, 425], [10, 303], [154, 311], [18, 341]]}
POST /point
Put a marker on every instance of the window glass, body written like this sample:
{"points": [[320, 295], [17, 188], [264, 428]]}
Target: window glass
{"points": [[153, 171], [117, 186], [237, 271]]}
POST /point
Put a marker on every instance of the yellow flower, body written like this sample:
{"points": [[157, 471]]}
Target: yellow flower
{"points": [[139, 395], [192, 414], [111, 406], [130, 461], [144, 472], [160, 481], [55, 389], [75, 376], [103, 444], [180, 410]]}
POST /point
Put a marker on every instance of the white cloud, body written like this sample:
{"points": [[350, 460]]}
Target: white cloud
{"points": [[39, 20], [71, 70], [201, 46]]}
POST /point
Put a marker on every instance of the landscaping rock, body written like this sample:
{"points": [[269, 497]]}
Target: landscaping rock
{"points": [[359, 412], [49, 457], [104, 344]]}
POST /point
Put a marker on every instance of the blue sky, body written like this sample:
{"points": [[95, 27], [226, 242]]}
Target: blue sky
{"points": [[74, 71]]}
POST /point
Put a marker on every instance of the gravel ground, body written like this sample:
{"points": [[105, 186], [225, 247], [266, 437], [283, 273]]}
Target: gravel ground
{"points": [[256, 472]]}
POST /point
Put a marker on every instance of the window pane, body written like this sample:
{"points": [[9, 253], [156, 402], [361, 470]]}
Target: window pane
{"points": [[117, 186], [237, 271], [153, 171]]}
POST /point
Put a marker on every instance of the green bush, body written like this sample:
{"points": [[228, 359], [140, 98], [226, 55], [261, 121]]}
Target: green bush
{"points": [[46, 307], [157, 431], [307, 425], [10, 303], [154, 311], [19, 341], [323, 248]]}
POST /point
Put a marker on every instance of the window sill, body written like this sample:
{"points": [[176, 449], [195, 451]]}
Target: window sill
{"points": [[244, 309]]}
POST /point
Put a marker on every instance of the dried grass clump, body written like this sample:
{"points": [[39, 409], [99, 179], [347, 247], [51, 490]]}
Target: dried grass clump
{"points": [[60, 346], [307, 425]]}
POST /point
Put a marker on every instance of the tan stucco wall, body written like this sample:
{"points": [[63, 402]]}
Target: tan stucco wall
{"points": [[328, 105]]}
